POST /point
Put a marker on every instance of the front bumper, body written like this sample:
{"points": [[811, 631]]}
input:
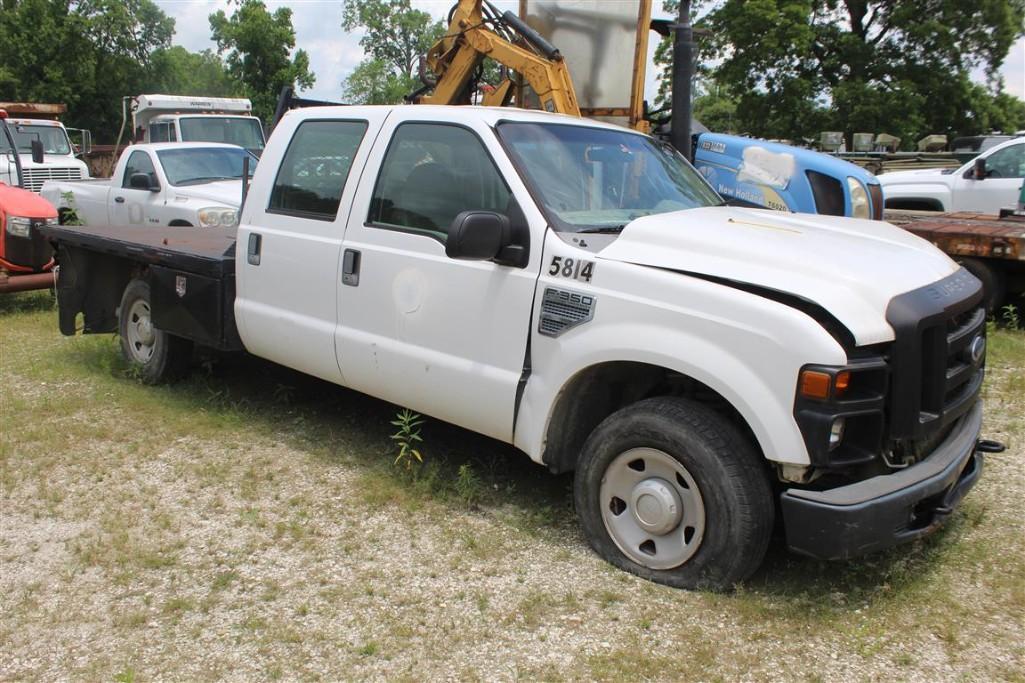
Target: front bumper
{"points": [[888, 509]]}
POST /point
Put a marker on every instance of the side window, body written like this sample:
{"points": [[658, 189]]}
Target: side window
{"points": [[158, 132], [1007, 163], [312, 174], [430, 173], [139, 162]]}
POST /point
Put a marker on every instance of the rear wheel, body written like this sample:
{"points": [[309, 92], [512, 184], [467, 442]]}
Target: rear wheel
{"points": [[671, 491], [157, 355]]}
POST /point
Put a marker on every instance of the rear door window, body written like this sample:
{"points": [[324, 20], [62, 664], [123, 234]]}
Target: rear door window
{"points": [[312, 175]]}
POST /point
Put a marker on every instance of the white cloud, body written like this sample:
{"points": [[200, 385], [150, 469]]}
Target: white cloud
{"points": [[334, 53]]}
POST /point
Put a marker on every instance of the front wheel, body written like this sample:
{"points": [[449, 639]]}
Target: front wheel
{"points": [[669, 490], [157, 355]]}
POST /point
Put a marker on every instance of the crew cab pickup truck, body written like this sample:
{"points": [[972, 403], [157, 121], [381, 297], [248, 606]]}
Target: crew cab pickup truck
{"points": [[164, 184], [578, 290], [987, 184]]}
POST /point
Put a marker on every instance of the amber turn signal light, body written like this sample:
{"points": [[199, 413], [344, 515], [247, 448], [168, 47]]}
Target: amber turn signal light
{"points": [[820, 385], [815, 384]]}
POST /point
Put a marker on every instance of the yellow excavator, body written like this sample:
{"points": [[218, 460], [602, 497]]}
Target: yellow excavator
{"points": [[534, 73]]}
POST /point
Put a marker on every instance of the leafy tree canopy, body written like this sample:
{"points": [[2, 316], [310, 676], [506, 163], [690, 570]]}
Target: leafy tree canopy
{"points": [[792, 68], [86, 54], [395, 35], [180, 72], [259, 46]]}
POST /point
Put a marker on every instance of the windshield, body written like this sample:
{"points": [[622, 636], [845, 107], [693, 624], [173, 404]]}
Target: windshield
{"points": [[54, 139], [243, 131], [195, 165], [598, 180]]}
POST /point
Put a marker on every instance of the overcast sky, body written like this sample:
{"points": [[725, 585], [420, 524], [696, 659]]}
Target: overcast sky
{"points": [[334, 53]]}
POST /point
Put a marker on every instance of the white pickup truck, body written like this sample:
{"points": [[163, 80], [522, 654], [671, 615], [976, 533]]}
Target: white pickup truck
{"points": [[990, 182], [164, 184], [578, 290]]}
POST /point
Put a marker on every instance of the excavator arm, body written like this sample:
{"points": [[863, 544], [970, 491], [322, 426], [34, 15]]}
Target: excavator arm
{"points": [[476, 33]]}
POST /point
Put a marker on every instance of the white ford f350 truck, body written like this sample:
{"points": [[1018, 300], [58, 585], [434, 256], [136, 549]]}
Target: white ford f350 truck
{"points": [[578, 290]]}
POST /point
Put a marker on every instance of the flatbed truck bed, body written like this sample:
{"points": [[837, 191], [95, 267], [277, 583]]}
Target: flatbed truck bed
{"points": [[191, 272], [991, 247]]}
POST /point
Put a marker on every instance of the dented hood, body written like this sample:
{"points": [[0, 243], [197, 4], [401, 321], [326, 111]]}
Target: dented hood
{"points": [[850, 267]]}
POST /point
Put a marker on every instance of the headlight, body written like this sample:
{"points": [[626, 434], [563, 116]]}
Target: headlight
{"points": [[860, 206], [18, 226], [217, 216]]}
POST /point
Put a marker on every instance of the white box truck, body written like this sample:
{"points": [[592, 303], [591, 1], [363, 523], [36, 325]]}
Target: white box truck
{"points": [[182, 118]]}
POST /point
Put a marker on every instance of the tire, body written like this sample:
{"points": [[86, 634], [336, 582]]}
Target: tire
{"points": [[692, 456], [992, 282], [158, 356]]}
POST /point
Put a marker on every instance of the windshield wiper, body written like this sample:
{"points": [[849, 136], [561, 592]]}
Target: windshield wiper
{"points": [[607, 229]]}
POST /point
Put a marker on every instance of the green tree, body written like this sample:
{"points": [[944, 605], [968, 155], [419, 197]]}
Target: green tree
{"points": [[86, 54], [798, 66], [177, 71], [259, 46], [395, 36]]}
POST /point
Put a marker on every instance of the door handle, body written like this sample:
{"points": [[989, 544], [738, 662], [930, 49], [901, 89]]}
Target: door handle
{"points": [[119, 200], [350, 268], [253, 252]]}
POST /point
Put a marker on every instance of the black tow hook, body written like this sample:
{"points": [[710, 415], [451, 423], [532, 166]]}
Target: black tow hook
{"points": [[989, 446]]}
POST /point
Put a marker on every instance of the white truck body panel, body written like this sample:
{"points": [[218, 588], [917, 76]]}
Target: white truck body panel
{"points": [[959, 190], [111, 202], [447, 338], [856, 268]]}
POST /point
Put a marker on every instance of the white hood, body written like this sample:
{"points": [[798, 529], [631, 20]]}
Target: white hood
{"points": [[916, 176], [850, 267], [221, 193]]}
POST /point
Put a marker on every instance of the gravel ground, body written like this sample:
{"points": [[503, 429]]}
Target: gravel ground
{"points": [[248, 525]]}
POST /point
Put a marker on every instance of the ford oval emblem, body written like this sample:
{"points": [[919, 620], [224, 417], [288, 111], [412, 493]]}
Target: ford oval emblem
{"points": [[978, 348]]}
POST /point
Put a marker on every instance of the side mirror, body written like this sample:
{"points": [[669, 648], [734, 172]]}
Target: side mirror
{"points": [[979, 169], [141, 181], [37, 152], [477, 235]]}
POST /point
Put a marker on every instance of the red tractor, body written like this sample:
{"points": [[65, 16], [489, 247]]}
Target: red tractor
{"points": [[26, 258]]}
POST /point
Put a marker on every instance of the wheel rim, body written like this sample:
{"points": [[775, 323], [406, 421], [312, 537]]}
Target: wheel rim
{"points": [[140, 332], [652, 508]]}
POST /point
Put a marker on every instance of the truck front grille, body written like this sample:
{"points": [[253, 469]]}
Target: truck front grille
{"points": [[35, 177], [938, 356]]}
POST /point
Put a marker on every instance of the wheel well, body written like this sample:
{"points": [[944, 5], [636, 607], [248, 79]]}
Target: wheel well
{"points": [[600, 390], [180, 223], [915, 204]]}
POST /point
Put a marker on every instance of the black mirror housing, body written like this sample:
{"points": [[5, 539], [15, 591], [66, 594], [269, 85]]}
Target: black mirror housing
{"points": [[141, 181], [37, 151], [979, 169], [477, 235]]}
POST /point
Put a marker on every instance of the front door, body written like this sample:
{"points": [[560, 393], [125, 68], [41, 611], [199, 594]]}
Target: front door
{"points": [[441, 336], [133, 206]]}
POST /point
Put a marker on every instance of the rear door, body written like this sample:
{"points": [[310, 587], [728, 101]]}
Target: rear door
{"points": [[289, 245], [442, 336]]}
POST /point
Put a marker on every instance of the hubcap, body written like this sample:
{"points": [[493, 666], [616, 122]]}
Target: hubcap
{"points": [[141, 335], [652, 508], [656, 505]]}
